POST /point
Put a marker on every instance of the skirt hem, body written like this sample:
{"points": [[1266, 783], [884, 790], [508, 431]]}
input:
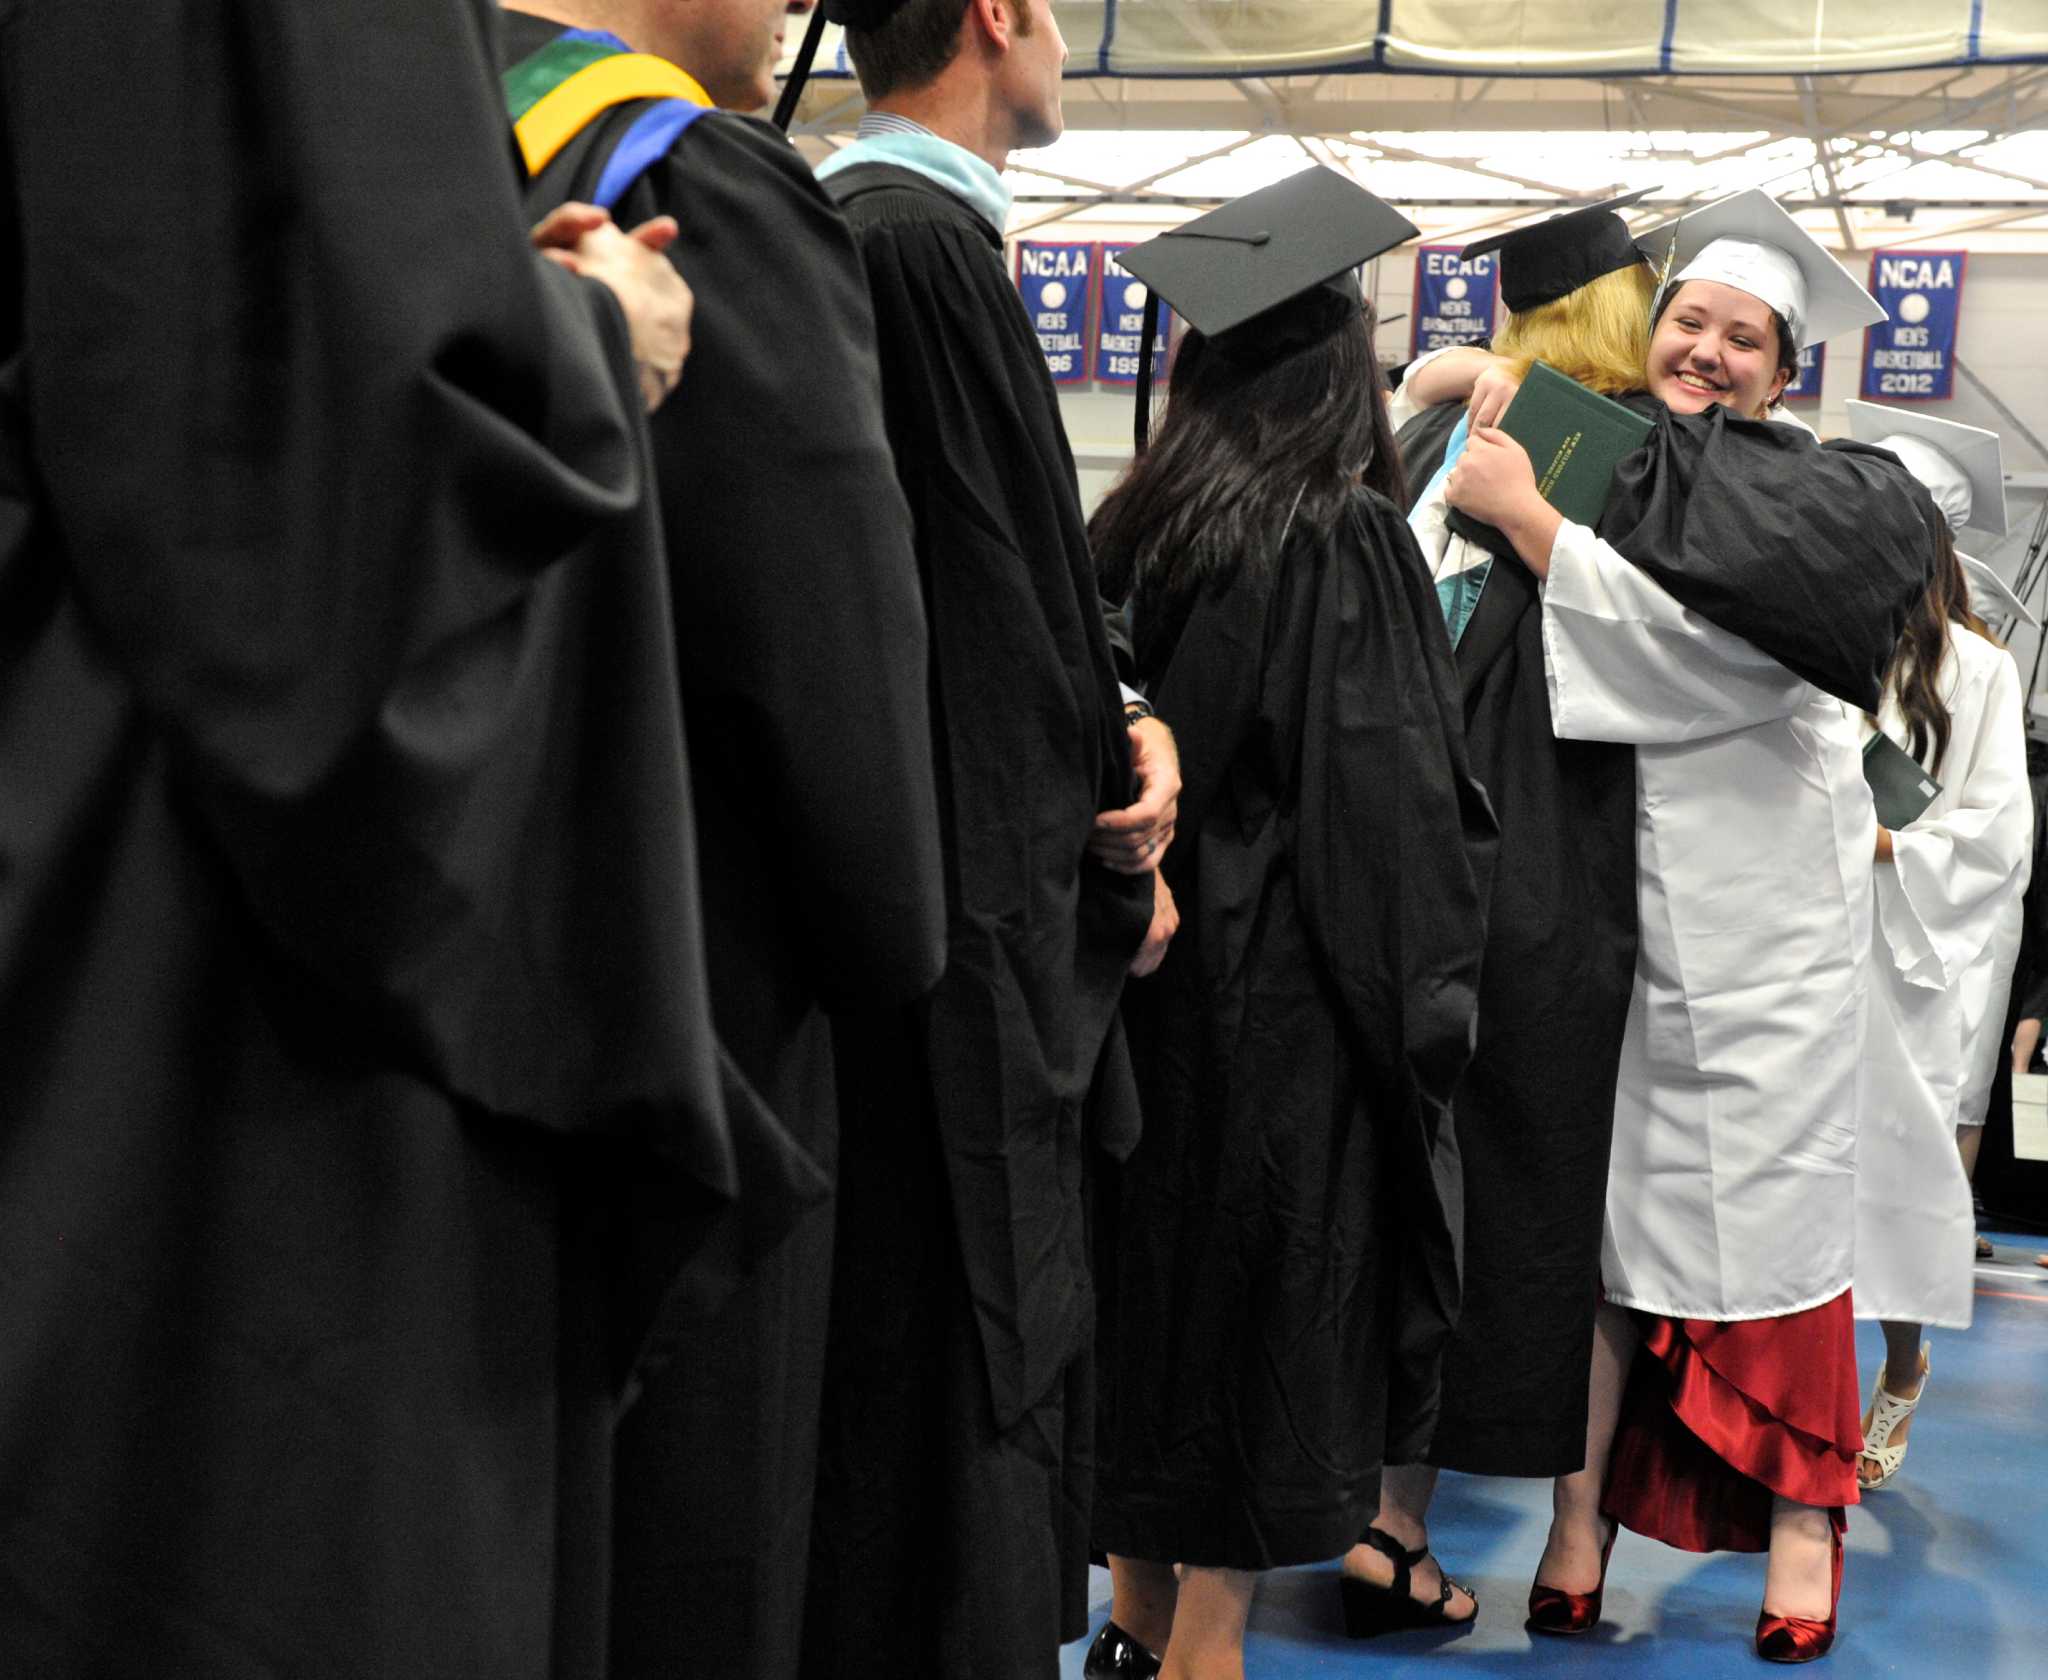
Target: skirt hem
{"points": [[1721, 1418]]}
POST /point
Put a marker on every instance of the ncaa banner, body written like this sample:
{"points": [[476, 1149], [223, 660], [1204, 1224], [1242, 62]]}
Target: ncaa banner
{"points": [[1122, 325], [1911, 356], [1453, 299], [1805, 384], [1057, 283]]}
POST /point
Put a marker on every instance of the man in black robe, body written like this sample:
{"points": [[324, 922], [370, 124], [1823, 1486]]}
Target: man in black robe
{"points": [[950, 1531], [351, 978], [801, 637]]}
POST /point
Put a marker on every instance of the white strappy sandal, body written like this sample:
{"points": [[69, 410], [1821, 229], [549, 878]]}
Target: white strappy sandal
{"points": [[1887, 1413]]}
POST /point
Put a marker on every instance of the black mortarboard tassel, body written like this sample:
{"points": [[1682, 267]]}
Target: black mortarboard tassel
{"points": [[862, 14], [800, 71]]}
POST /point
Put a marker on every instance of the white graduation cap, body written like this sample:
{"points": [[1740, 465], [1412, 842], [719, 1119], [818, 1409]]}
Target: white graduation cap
{"points": [[1748, 242], [1990, 595], [1962, 466]]}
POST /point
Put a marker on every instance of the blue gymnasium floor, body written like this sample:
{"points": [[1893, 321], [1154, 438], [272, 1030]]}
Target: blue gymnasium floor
{"points": [[1947, 1573]]}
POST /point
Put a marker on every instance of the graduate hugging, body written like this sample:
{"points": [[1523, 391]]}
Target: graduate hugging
{"points": [[1621, 1258]]}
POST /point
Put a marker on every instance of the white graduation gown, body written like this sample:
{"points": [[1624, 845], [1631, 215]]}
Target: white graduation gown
{"points": [[1947, 935], [1731, 1193]]}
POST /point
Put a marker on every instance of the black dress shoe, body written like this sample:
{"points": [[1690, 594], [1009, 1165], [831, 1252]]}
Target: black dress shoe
{"points": [[1115, 1655]]}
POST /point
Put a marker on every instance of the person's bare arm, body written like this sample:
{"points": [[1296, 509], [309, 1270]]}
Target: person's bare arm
{"points": [[2026, 1039], [1448, 377]]}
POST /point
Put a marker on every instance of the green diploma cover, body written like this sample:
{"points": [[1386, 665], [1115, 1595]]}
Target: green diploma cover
{"points": [[1575, 439]]}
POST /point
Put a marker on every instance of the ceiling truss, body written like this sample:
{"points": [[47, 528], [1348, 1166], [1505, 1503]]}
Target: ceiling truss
{"points": [[1849, 135]]}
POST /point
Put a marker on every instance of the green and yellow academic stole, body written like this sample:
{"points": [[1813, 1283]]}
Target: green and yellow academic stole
{"points": [[558, 92]]}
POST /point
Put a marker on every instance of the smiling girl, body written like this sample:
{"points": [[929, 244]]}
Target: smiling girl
{"points": [[1715, 344], [1728, 606]]}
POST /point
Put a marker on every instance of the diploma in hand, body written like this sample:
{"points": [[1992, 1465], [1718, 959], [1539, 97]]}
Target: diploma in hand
{"points": [[1575, 439], [1900, 789]]}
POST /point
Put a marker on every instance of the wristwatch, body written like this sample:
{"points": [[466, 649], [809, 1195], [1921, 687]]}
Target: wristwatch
{"points": [[1136, 711]]}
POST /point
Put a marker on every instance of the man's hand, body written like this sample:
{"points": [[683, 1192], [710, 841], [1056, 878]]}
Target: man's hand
{"points": [[565, 227], [1133, 840], [1165, 924], [657, 302], [2026, 1039], [1494, 481]]}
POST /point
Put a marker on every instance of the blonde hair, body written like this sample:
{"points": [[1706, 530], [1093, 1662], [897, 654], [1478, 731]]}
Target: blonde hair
{"points": [[1598, 335]]}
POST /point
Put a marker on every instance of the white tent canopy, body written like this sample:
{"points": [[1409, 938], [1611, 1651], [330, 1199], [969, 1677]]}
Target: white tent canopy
{"points": [[1524, 108], [1513, 37]]}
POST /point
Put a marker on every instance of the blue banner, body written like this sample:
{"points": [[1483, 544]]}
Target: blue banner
{"points": [[1122, 325], [1453, 299], [1911, 356], [1805, 386], [1057, 283]]}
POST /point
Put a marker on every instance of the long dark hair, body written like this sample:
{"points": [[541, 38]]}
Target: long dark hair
{"points": [[1915, 676], [1241, 438]]}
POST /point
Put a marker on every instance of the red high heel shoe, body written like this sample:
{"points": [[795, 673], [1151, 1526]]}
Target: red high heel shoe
{"points": [[1800, 1639], [1553, 1610]]}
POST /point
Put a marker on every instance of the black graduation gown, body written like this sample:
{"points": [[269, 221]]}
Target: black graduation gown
{"points": [[951, 1523], [1536, 1108], [1814, 555], [801, 636], [351, 978], [1280, 1252]]}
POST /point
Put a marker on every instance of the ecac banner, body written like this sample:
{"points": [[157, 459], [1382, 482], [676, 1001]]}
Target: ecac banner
{"points": [[1805, 385], [1057, 283], [1453, 299], [1123, 325], [1911, 355]]}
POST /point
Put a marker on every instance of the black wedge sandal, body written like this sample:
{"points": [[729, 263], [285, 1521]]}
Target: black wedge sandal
{"points": [[1371, 1609]]}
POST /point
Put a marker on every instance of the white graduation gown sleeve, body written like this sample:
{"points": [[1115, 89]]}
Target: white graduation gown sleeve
{"points": [[1986, 991], [1961, 866], [1986, 985], [1626, 662], [1948, 913]]}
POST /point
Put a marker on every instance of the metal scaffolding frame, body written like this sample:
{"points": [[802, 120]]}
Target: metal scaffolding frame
{"points": [[1859, 134]]}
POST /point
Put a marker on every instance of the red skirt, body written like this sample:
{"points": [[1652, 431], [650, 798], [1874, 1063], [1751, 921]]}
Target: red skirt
{"points": [[1719, 1417]]}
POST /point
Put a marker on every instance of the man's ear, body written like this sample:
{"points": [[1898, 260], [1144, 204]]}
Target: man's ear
{"points": [[993, 22]]}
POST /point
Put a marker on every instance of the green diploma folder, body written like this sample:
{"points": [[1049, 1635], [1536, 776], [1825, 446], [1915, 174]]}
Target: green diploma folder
{"points": [[1899, 788], [1575, 439]]}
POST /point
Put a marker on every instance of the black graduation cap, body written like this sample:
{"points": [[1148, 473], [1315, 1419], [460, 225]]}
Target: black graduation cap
{"points": [[1553, 258], [862, 14], [853, 14], [1267, 271]]}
